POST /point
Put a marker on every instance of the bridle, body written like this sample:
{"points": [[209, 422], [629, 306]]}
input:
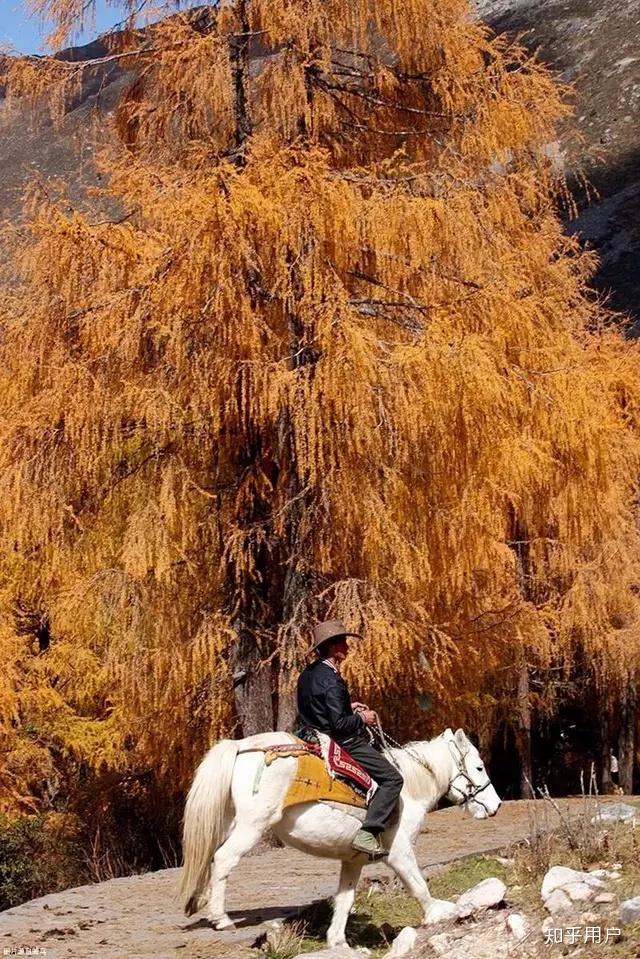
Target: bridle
{"points": [[474, 791], [465, 795]]}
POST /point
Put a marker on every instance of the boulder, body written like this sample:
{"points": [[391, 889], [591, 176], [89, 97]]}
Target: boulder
{"points": [[482, 938], [558, 877], [578, 891], [630, 910], [517, 926], [440, 910], [590, 918], [558, 901], [615, 812], [335, 952], [403, 943], [563, 886], [604, 897], [441, 944], [484, 895]]}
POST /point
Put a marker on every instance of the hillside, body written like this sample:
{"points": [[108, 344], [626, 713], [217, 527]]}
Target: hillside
{"points": [[594, 44]]}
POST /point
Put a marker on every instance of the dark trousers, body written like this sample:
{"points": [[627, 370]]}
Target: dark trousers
{"points": [[388, 778]]}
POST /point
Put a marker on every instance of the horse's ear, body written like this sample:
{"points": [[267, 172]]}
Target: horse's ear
{"points": [[461, 741]]}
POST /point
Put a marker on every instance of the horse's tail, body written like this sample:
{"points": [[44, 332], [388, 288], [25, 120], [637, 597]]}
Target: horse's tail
{"points": [[206, 819]]}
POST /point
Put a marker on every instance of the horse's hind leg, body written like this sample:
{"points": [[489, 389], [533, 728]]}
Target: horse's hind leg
{"points": [[240, 841], [349, 876]]}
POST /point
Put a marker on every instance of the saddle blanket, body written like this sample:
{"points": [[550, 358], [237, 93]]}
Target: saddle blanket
{"points": [[340, 778], [312, 783]]}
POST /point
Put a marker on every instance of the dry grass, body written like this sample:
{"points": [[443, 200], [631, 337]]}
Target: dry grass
{"points": [[576, 839], [283, 940]]}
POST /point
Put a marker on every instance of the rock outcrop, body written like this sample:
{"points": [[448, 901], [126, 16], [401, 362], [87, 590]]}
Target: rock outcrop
{"points": [[594, 44]]}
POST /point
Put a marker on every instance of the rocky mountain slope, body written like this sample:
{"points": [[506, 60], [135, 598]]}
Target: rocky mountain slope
{"points": [[594, 44]]}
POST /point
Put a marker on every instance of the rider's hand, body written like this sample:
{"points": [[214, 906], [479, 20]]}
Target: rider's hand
{"points": [[369, 717], [358, 706]]}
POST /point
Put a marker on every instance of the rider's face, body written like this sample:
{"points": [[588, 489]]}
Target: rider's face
{"points": [[340, 649]]}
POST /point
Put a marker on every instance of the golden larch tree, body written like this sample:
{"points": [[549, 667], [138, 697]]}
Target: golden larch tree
{"points": [[318, 347]]}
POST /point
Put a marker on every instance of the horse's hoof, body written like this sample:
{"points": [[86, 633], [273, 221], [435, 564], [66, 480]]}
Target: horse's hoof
{"points": [[224, 922]]}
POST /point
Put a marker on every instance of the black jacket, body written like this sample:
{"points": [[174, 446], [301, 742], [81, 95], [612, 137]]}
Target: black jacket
{"points": [[324, 703]]}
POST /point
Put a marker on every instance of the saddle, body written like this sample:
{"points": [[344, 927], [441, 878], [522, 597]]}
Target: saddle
{"points": [[336, 777]]}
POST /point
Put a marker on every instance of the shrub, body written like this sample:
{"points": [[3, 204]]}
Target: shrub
{"points": [[38, 854]]}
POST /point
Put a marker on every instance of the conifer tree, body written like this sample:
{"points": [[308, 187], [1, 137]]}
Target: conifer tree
{"points": [[320, 347]]}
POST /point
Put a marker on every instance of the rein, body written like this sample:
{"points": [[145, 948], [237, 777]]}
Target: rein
{"points": [[388, 740]]}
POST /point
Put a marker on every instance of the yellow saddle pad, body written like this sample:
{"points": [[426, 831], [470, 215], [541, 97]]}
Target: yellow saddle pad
{"points": [[312, 782]]}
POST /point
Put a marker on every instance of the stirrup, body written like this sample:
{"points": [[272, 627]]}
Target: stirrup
{"points": [[370, 846]]}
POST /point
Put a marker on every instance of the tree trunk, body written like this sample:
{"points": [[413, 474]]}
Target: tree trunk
{"points": [[251, 684], [297, 590], [289, 665], [520, 546], [627, 737], [238, 49], [606, 748], [523, 737]]}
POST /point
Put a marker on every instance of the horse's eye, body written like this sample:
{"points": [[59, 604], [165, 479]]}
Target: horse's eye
{"points": [[480, 768]]}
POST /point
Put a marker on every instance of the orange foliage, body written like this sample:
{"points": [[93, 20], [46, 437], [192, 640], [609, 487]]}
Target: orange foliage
{"points": [[333, 355]]}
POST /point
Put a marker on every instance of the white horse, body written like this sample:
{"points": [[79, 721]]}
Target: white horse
{"points": [[230, 806]]}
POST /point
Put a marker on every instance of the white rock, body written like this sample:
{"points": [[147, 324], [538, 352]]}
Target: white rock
{"points": [[336, 952], [606, 873], [517, 926], [482, 896], [605, 897], [556, 877], [576, 885], [403, 943], [590, 918], [578, 891], [557, 901], [630, 910], [615, 811], [439, 910], [441, 944]]}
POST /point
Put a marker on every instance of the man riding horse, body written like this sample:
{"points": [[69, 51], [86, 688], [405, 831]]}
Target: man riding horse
{"points": [[324, 704]]}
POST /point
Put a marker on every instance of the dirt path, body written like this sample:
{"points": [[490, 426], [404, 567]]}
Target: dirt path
{"points": [[138, 916]]}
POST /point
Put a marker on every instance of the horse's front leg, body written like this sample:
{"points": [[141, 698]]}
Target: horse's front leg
{"points": [[402, 859], [349, 876]]}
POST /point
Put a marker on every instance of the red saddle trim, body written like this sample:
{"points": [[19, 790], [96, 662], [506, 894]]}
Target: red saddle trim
{"points": [[342, 763]]}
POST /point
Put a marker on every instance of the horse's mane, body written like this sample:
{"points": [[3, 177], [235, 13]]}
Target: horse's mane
{"points": [[419, 782]]}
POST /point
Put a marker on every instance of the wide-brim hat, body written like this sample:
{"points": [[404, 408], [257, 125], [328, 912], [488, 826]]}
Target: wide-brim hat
{"points": [[330, 629]]}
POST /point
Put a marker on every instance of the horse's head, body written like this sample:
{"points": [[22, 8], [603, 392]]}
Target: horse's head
{"points": [[469, 783]]}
